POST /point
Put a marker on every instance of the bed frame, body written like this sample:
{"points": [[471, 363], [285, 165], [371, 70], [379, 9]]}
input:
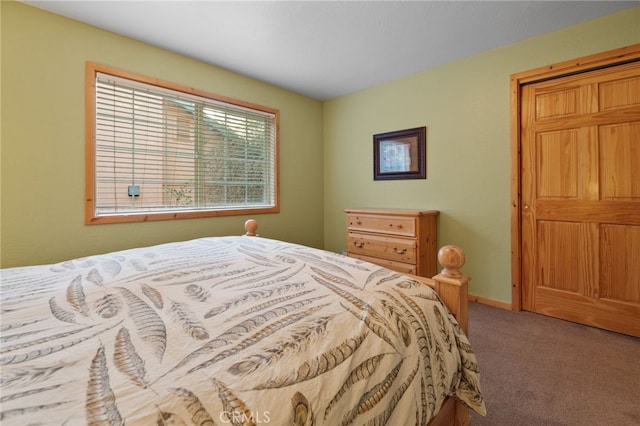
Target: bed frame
{"points": [[452, 286]]}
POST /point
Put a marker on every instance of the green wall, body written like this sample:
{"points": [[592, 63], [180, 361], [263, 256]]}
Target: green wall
{"points": [[465, 106], [42, 70]]}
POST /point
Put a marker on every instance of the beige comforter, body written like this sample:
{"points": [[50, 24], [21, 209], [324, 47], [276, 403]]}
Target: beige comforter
{"points": [[231, 330]]}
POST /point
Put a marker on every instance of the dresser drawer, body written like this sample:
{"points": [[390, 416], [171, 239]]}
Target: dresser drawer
{"points": [[405, 268], [396, 225], [396, 249]]}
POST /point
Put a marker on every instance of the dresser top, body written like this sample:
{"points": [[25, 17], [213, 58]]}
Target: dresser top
{"points": [[393, 212]]}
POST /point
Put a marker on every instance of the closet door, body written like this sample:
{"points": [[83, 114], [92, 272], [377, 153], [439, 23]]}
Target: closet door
{"points": [[580, 209]]}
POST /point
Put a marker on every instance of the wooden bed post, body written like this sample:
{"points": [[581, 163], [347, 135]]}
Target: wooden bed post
{"points": [[250, 226], [452, 285]]}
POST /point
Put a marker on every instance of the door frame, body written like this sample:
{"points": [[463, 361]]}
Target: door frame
{"points": [[588, 63]]}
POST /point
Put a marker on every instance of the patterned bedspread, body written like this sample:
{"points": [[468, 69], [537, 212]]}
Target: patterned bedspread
{"points": [[230, 330]]}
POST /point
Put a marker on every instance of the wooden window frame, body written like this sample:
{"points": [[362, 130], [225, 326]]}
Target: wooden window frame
{"points": [[91, 71]]}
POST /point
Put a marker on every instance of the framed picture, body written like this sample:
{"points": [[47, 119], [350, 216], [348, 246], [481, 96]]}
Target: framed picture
{"points": [[400, 155]]}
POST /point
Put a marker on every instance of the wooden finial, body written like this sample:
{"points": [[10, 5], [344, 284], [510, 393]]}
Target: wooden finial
{"points": [[452, 259], [250, 226]]}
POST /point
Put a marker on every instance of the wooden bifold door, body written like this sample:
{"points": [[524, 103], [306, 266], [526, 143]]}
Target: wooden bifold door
{"points": [[580, 197]]}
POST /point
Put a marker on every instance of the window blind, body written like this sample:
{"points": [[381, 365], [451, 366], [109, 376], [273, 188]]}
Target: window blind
{"points": [[160, 150]]}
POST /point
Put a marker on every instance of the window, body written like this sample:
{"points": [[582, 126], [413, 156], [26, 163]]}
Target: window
{"points": [[156, 151]]}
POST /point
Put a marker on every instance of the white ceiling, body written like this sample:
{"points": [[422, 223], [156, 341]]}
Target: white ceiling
{"points": [[325, 49]]}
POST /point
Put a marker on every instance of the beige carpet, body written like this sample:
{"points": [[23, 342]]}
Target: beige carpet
{"points": [[536, 370]]}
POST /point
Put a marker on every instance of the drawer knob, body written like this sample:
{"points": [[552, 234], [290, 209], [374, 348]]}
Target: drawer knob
{"points": [[358, 244], [401, 251], [399, 226]]}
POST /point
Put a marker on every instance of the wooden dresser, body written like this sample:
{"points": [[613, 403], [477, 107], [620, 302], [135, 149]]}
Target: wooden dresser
{"points": [[402, 240]]}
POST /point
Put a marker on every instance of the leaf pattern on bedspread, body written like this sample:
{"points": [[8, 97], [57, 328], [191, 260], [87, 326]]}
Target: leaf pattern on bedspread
{"points": [[60, 313], [431, 343], [95, 277], [8, 414], [334, 278], [10, 397], [252, 277], [101, 402], [370, 321], [14, 326], [235, 410], [153, 295], [46, 339], [242, 329], [442, 328], [365, 312], [76, 297], [256, 337], [401, 324], [148, 323], [46, 351], [198, 412], [272, 302], [108, 306], [231, 330], [423, 347], [423, 403], [127, 360], [373, 396], [263, 282], [191, 325], [363, 371], [302, 411], [298, 339], [380, 276], [317, 366], [252, 296], [383, 418], [197, 293], [28, 375]]}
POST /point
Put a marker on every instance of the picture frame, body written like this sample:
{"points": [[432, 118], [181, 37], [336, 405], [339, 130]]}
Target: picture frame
{"points": [[400, 154]]}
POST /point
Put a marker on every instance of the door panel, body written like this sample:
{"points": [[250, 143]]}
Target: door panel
{"points": [[620, 160], [558, 164], [565, 258], [621, 263], [619, 93], [580, 217]]}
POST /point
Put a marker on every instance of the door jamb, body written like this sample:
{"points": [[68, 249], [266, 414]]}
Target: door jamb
{"points": [[575, 66]]}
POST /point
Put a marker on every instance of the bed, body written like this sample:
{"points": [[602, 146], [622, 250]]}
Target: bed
{"points": [[240, 330]]}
